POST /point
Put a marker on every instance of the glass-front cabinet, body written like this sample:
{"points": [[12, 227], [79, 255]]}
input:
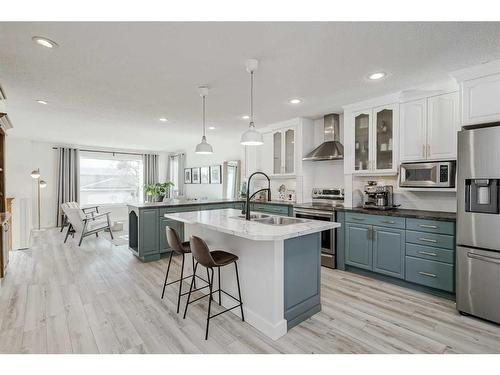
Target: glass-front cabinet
{"points": [[362, 141], [374, 134], [283, 152]]}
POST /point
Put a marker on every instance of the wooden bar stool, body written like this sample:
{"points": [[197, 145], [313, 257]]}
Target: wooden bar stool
{"points": [[211, 260], [180, 248]]}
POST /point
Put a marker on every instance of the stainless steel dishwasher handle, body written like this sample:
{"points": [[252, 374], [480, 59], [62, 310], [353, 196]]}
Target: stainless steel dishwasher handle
{"points": [[484, 258]]}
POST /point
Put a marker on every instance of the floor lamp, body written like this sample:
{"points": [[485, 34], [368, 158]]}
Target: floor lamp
{"points": [[40, 185]]}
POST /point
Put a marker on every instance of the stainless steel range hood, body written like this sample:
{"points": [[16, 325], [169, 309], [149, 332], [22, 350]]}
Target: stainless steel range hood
{"points": [[331, 148]]}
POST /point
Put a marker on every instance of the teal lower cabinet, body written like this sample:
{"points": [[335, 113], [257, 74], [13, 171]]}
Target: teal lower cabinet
{"points": [[164, 223], [415, 250], [358, 245], [375, 248], [272, 208], [147, 234], [389, 251]]}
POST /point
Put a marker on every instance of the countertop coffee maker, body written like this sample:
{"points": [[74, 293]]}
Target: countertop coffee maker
{"points": [[379, 197]]}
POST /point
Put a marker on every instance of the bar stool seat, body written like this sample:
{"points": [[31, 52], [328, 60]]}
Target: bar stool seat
{"points": [[223, 258]]}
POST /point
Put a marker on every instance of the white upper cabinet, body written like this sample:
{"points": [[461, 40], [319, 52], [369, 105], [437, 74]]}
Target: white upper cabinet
{"points": [[428, 128], [480, 93], [442, 126], [413, 130], [372, 146], [284, 143]]}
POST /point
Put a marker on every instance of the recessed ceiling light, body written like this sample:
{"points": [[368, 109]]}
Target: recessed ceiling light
{"points": [[41, 101], [375, 76], [211, 127], [245, 117], [295, 101], [44, 42], [163, 119]]}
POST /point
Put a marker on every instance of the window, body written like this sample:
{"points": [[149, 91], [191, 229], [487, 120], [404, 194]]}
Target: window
{"points": [[110, 178]]}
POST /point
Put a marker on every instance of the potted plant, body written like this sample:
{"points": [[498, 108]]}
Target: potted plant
{"points": [[157, 192]]}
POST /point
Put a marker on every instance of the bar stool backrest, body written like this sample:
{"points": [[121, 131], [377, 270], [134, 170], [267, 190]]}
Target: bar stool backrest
{"points": [[173, 240], [201, 253]]}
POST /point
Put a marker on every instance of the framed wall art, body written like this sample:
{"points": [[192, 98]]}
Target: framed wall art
{"points": [[215, 174], [187, 175], [195, 175], [205, 175]]}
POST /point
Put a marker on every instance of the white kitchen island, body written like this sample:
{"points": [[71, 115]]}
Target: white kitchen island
{"points": [[279, 265]]}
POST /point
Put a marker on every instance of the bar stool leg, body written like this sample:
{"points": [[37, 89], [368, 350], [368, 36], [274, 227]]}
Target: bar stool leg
{"points": [[239, 291], [180, 284], [218, 271], [211, 281], [190, 289], [192, 261], [166, 275]]}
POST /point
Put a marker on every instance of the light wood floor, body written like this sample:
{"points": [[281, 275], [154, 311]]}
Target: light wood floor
{"points": [[100, 299]]}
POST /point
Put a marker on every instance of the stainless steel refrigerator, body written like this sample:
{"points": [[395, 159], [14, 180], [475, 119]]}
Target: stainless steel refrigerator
{"points": [[478, 222]]}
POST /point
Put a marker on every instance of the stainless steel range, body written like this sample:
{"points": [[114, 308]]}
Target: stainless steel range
{"points": [[322, 207]]}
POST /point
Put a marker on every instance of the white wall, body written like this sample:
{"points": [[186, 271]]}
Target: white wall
{"points": [[24, 155], [224, 150]]}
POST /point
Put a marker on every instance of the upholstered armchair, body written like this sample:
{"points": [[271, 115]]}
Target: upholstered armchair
{"points": [[85, 222]]}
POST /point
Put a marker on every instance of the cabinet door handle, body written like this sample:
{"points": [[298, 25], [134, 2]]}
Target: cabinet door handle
{"points": [[428, 253], [428, 226], [357, 218], [426, 274], [427, 240], [423, 151], [388, 222]]}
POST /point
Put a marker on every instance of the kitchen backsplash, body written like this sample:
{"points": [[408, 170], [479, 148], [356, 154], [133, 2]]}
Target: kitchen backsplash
{"points": [[421, 200]]}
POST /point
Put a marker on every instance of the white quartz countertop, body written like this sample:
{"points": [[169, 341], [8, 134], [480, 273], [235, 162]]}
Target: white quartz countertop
{"points": [[225, 221]]}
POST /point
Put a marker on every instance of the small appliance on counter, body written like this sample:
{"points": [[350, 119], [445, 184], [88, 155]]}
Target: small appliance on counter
{"points": [[378, 197], [322, 207]]}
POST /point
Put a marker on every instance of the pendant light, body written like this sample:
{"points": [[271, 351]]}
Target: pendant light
{"points": [[251, 137], [203, 147]]}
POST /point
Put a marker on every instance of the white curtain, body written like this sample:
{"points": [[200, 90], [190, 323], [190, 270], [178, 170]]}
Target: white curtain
{"points": [[68, 175], [176, 163]]}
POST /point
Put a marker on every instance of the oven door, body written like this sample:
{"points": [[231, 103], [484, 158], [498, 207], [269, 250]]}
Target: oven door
{"points": [[427, 175], [327, 237]]}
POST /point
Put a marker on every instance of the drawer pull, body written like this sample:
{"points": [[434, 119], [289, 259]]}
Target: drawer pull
{"points": [[388, 222], [427, 240], [428, 253], [357, 218], [484, 258], [426, 274], [428, 226]]}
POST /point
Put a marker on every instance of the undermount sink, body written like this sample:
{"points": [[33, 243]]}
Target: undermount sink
{"points": [[279, 220], [252, 216]]}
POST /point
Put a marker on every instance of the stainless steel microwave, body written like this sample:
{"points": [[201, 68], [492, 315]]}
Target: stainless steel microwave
{"points": [[438, 174]]}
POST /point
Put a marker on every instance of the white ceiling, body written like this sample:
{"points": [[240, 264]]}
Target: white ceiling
{"points": [[108, 83]]}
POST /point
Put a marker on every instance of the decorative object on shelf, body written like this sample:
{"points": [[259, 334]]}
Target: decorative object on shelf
{"points": [[205, 175], [187, 175], [40, 185], [203, 147], [215, 174], [282, 192], [157, 192], [195, 175], [251, 137]]}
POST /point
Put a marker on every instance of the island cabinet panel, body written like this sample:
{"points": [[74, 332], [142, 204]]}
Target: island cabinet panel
{"points": [[148, 231], [340, 246], [358, 245], [273, 209], [176, 225], [389, 251], [302, 275]]}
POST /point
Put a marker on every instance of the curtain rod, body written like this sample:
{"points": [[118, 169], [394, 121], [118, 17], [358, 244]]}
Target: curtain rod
{"points": [[104, 152]]}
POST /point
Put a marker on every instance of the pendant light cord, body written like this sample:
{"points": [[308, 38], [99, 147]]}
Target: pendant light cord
{"points": [[203, 101], [251, 98]]}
